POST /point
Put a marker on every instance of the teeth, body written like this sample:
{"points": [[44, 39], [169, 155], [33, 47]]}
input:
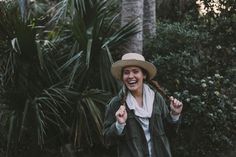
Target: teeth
{"points": [[132, 81]]}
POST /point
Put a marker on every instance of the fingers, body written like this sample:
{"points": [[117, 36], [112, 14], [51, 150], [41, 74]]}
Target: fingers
{"points": [[121, 114], [175, 106], [121, 111], [175, 102]]}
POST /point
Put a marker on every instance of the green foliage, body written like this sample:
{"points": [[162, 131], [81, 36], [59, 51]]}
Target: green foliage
{"points": [[85, 65], [196, 63], [22, 79], [198, 72], [55, 75], [208, 120]]}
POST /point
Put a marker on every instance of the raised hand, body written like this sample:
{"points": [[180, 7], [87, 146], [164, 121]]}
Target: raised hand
{"points": [[176, 106], [121, 115]]}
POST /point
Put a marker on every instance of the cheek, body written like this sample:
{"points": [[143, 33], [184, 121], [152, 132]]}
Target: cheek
{"points": [[141, 81], [125, 81], [125, 77]]}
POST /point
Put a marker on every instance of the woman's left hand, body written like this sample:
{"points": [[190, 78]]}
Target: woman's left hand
{"points": [[176, 106]]}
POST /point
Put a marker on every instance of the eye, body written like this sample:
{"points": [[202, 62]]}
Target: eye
{"points": [[136, 71], [126, 72]]}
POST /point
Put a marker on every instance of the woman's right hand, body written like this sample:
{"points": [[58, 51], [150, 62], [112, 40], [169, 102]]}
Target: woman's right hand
{"points": [[121, 114]]}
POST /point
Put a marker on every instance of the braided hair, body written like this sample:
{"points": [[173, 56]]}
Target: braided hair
{"points": [[159, 89]]}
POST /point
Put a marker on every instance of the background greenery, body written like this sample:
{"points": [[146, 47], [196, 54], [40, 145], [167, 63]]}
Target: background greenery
{"points": [[55, 79]]}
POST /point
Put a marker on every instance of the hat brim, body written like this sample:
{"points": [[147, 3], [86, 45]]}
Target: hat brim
{"points": [[116, 68]]}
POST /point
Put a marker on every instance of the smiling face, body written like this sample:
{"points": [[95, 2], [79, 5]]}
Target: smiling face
{"points": [[133, 79]]}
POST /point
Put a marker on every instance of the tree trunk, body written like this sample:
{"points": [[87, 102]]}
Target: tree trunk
{"points": [[131, 10], [23, 4], [149, 18]]}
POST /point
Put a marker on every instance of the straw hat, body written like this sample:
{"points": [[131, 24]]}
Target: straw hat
{"points": [[132, 59]]}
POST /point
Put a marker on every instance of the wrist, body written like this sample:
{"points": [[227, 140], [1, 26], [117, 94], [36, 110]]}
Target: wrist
{"points": [[119, 127], [174, 113], [121, 123]]}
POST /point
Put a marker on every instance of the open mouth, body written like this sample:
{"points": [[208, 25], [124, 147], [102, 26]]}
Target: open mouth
{"points": [[132, 82]]}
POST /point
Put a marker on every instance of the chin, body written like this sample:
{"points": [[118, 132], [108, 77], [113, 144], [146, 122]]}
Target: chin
{"points": [[133, 89]]}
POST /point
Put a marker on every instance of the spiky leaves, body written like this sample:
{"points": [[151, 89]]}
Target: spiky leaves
{"points": [[59, 86], [86, 66], [29, 101]]}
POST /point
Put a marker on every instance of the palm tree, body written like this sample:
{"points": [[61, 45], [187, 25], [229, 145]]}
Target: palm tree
{"points": [[144, 11], [133, 10], [149, 19], [28, 97], [87, 65], [55, 79]]}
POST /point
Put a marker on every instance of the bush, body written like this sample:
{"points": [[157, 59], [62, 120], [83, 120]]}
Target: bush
{"points": [[193, 70], [209, 118]]}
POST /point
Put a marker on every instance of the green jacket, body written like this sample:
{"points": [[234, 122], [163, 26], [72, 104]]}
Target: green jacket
{"points": [[132, 141]]}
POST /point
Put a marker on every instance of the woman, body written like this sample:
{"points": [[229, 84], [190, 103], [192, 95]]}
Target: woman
{"points": [[137, 119]]}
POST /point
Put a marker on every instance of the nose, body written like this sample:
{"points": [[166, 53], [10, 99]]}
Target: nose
{"points": [[131, 75]]}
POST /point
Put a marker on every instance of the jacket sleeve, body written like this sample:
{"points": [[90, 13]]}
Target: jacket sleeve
{"points": [[110, 131]]}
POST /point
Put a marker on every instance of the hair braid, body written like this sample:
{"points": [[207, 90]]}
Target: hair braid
{"points": [[159, 89], [123, 96]]}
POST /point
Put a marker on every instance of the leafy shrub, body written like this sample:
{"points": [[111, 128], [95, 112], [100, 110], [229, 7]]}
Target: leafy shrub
{"points": [[208, 120], [192, 68]]}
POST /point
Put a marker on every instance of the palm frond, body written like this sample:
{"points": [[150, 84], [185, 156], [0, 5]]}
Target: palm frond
{"points": [[122, 34], [88, 117], [39, 123], [80, 5], [56, 85], [10, 131], [9, 15], [69, 62], [79, 30], [60, 10], [107, 81], [47, 60], [24, 115], [25, 85]]}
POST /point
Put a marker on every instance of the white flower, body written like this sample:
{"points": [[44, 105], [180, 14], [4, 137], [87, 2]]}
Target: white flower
{"points": [[220, 111], [211, 82], [187, 100], [203, 81], [204, 85], [210, 114], [218, 47], [217, 93], [225, 97], [217, 75]]}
